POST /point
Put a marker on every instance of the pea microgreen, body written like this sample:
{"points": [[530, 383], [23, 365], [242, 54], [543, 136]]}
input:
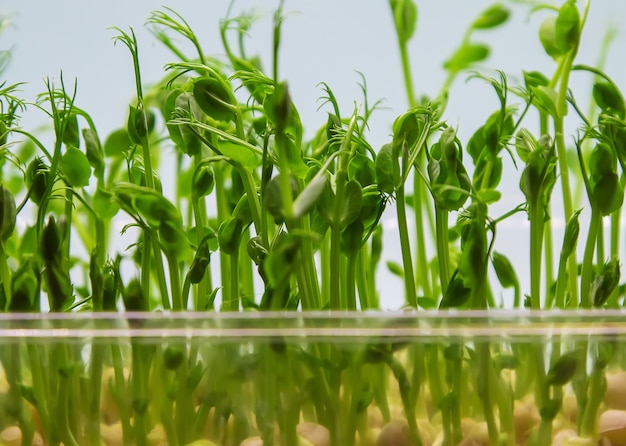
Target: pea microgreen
{"points": [[265, 215]]}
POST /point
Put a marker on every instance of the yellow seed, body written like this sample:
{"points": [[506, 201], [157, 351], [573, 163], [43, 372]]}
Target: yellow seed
{"points": [[526, 417], [112, 435], [615, 395], [368, 438], [395, 433], [314, 433], [612, 425], [252, 441], [12, 436], [477, 435]]}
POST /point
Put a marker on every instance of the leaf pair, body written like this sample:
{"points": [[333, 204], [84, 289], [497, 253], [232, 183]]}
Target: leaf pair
{"points": [[449, 181]]}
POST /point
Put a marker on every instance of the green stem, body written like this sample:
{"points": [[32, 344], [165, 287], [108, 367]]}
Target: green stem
{"points": [[597, 388], [419, 198], [95, 379], [140, 394], [535, 212], [405, 247], [362, 283], [549, 259], [200, 218], [63, 397], [177, 297], [406, 73], [351, 282], [119, 388], [615, 238], [409, 407], [41, 393], [145, 269], [5, 275], [433, 365], [484, 390], [443, 256], [184, 405], [233, 298], [223, 214], [588, 266], [13, 370], [336, 301], [561, 283]]}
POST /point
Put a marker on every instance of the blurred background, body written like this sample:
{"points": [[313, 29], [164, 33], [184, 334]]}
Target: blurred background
{"points": [[323, 40]]}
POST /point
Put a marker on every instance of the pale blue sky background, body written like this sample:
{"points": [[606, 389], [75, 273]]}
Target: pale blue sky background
{"points": [[323, 40]]}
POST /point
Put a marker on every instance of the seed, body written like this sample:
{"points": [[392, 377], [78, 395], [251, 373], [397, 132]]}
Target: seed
{"points": [[315, 434], [612, 425]]}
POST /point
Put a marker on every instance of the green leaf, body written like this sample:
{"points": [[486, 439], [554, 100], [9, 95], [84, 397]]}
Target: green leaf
{"points": [[489, 196], [136, 125], [352, 201], [567, 26], [609, 98], [273, 200], [427, 303], [154, 208], [551, 409], [278, 107], [547, 36], [406, 131], [545, 99], [352, 237], [504, 270], [7, 214], [239, 154], [203, 181], [562, 371], [117, 143], [214, 98], [104, 205], [173, 357], [94, 151], [76, 167], [492, 17], [229, 235], [307, 199], [385, 168], [457, 294], [570, 239], [362, 169], [281, 261], [535, 79], [467, 55], [186, 136], [607, 194], [405, 16], [256, 250], [50, 240], [525, 144], [605, 282], [395, 269], [172, 237], [70, 131]]}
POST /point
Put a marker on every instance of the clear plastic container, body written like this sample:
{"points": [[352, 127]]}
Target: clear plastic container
{"points": [[300, 379]]}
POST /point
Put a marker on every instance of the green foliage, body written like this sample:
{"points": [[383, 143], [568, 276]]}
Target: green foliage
{"points": [[260, 218]]}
